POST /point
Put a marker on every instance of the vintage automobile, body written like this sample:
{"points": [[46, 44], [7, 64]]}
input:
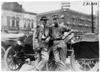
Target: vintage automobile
{"points": [[22, 51], [85, 55], [4, 45], [6, 40], [19, 49]]}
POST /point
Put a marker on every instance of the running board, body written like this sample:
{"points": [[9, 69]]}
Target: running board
{"points": [[69, 50]]}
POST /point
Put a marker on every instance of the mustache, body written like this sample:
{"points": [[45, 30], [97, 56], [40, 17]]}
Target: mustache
{"points": [[55, 23]]}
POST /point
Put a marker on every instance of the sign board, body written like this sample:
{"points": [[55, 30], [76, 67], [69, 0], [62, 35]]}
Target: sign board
{"points": [[66, 5]]}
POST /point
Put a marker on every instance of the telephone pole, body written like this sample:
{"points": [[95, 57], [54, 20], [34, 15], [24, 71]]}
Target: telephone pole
{"points": [[92, 17]]}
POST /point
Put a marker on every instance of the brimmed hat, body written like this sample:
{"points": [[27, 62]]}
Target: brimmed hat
{"points": [[43, 18], [55, 17]]}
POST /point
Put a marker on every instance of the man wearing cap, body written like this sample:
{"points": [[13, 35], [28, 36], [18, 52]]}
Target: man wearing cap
{"points": [[59, 46], [43, 37]]}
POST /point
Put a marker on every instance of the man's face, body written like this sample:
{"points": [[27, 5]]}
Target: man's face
{"points": [[55, 21], [43, 22]]}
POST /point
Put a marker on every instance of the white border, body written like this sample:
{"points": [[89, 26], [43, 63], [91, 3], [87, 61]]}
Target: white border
{"points": [[41, 0]]}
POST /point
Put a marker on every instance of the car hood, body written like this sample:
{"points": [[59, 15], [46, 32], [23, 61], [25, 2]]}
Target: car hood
{"points": [[5, 36], [90, 37]]}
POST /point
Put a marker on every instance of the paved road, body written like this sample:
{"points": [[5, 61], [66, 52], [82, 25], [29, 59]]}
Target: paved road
{"points": [[67, 63]]}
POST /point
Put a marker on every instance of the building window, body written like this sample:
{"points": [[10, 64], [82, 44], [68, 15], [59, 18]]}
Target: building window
{"points": [[80, 25], [86, 25], [32, 24], [81, 19], [17, 22], [88, 20], [62, 16], [13, 21], [24, 21], [90, 26], [28, 22], [73, 18], [73, 24], [68, 23], [8, 21]]}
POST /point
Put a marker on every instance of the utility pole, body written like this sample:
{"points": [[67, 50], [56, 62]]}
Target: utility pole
{"points": [[92, 17]]}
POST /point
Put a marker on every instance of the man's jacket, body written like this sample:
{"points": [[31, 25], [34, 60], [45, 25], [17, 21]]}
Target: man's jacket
{"points": [[57, 33], [42, 33]]}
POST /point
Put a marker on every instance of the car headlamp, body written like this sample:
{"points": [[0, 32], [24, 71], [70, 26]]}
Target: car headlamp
{"points": [[19, 42]]}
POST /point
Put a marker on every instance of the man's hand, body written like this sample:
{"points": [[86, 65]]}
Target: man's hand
{"points": [[67, 33], [47, 40], [72, 31]]}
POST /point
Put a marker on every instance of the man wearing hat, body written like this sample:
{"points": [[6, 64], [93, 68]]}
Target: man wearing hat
{"points": [[59, 46], [43, 32], [42, 37]]}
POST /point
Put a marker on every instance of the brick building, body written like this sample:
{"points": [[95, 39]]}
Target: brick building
{"points": [[97, 21], [76, 20], [14, 18]]}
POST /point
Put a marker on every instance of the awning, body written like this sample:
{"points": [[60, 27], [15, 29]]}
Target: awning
{"points": [[81, 31], [87, 25], [68, 22], [62, 16], [76, 30], [82, 18], [88, 20], [74, 23], [80, 24], [74, 17]]}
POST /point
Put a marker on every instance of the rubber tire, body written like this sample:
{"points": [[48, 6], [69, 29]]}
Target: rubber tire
{"points": [[5, 58], [2, 56], [3, 49], [75, 68]]}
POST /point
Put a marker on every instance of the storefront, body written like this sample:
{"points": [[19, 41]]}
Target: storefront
{"points": [[15, 18]]}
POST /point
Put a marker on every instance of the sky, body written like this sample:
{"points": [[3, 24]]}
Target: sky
{"points": [[46, 6]]}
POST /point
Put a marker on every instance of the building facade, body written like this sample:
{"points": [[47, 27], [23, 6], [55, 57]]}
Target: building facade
{"points": [[15, 18], [97, 22], [76, 20]]}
